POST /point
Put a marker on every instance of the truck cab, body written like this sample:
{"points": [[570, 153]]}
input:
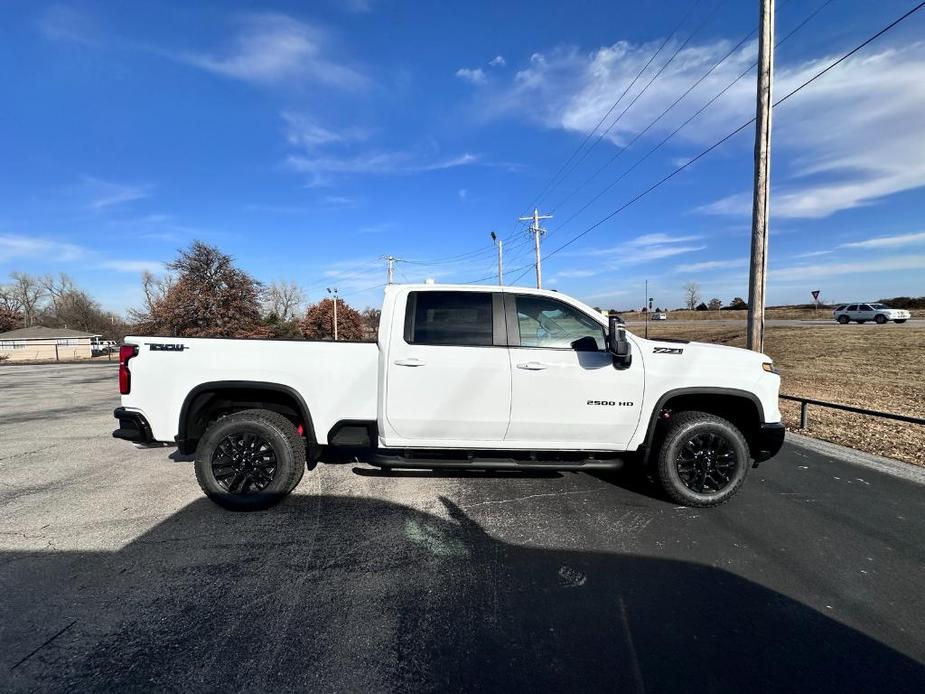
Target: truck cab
{"points": [[460, 376]]}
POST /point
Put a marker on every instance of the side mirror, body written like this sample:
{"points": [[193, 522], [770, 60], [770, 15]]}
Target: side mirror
{"points": [[617, 344]]}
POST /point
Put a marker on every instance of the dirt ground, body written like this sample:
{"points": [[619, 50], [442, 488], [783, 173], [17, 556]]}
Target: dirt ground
{"points": [[872, 366]]}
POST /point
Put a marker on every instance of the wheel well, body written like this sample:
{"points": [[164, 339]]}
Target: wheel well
{"points": [[744, 412], [210, 402]]}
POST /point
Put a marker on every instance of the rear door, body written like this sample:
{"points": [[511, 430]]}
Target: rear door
{"points": [[449, 377], [566, 392], [866, 312]]}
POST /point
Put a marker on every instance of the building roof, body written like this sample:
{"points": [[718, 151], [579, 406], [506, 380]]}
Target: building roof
{"points": [[40, 332]]}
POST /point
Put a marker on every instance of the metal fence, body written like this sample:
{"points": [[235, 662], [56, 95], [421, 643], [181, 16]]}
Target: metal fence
{"points": [[806, 402]]}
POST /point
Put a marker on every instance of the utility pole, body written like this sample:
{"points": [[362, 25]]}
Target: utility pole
{"points": [[761, 197], [647, 309], [333, 293], [537, 232], [500, 244], [391, 260]]}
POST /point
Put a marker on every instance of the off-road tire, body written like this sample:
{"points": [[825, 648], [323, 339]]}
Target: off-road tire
{"points": [[843, 320], [683, 428], [274, 429], [880, 320]]}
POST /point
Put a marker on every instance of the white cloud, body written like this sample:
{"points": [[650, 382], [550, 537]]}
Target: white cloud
{"points": [[18, 246], [643, 255], [812, 254], [852, 138], [576, 273], [655, 239], [888, 241], [497, 61], [271, 48], [301, 131], [891, 263], [387, 162], [137, 266], [734, 263], [463, 193], [104, 194], [472, 75], [63, 23]]}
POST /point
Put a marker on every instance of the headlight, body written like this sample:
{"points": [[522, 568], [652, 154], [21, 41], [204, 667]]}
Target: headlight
{"points": [[769, 367]]}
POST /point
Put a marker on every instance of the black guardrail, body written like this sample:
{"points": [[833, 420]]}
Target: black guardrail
{"points": [[806, 402]]}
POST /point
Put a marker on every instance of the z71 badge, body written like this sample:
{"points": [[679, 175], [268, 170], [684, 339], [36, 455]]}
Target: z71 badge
{"points": [[165, 347], [668, 350]]}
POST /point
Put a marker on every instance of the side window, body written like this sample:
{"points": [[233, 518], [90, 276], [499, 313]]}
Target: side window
{"points": [[865, 307], [449, 318], [841, 308], [853, 307], [553, 324]]}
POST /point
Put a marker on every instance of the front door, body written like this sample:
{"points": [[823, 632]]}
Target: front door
{"points": [[565, 390], [448, 383]]}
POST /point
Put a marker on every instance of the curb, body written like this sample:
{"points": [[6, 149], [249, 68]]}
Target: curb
{"points": [[889, 466]]}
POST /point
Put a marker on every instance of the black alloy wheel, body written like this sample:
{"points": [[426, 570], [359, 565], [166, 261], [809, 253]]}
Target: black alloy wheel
{"points": [[244, 463], [706, 463]]}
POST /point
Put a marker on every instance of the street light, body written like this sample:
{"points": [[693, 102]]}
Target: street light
{"points": [[333, 293]]}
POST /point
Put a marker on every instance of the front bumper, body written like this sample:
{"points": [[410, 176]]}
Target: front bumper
{"points": [[769, 441], [132, 426]]}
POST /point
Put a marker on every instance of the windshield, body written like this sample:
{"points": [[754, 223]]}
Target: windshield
{"points": [[878, 306]]}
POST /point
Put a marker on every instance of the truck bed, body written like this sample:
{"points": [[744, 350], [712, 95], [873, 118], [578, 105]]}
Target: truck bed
{"points": [[338, 380]]}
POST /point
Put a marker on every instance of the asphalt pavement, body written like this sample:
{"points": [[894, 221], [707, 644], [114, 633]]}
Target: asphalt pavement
{"points": [[116, 574]]}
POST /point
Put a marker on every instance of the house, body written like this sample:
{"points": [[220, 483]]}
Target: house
{"points": [[40, 343]]}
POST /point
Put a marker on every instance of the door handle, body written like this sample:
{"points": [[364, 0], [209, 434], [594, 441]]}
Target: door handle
{"points": [[410, 361], [533, 366]]}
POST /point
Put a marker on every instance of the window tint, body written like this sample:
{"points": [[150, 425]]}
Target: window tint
{"points": [[853, 307], [879, 307], [865, 307], [449, 318], [549, 323], [841, 308]]}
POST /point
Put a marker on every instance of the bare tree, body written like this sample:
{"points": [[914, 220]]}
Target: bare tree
{"points": [[57, 288], [28, 293], [691, 295], [284, 299]]}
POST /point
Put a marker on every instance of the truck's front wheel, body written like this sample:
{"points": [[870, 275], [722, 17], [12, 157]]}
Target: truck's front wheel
{"points": [[250, 460], [703, 459]]}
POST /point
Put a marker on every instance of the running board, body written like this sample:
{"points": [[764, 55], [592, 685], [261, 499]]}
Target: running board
{"points": [[477, 463]]}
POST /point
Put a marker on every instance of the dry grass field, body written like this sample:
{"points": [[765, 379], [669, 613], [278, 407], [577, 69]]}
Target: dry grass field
{"points": [[823, 313], [871, 366]]}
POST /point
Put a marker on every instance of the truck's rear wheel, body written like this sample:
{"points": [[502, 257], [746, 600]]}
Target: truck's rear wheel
{"points": [[250, 460], [703, 459]]}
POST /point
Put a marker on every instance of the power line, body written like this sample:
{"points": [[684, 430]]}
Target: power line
{"points": [[613, 106], [651, 81], [674, 132], [735, 132]]}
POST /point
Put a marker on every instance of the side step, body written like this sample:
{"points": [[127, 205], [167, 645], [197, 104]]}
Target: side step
{"points": [[487, 463]]}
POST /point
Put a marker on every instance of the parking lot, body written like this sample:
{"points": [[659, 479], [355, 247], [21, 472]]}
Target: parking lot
{"points": [[117, 574]]}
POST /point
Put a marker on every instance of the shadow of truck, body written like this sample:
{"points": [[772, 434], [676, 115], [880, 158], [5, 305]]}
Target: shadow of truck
{"points": [[332, 593]]}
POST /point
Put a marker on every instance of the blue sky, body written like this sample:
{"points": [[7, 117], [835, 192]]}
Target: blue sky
{"points": [[309, 139]]}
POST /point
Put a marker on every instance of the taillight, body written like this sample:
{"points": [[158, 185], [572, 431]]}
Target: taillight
{"points": [[126, 352]]}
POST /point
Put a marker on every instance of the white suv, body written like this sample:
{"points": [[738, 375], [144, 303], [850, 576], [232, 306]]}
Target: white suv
{"points": [[861, 313]]}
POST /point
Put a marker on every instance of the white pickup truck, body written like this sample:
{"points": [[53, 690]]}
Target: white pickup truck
{"points": [[461, 377]]}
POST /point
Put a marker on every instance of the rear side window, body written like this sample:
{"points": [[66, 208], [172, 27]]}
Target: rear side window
{"points": [[449, 318]]}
